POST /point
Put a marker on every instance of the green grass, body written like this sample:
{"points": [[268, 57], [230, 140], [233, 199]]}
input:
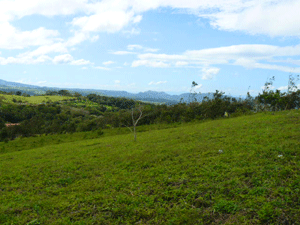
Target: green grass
{"points": [[33, 99], [169, 176]]}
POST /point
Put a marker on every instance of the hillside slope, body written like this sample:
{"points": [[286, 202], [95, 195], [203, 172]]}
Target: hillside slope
{"points": [[170, 176]]}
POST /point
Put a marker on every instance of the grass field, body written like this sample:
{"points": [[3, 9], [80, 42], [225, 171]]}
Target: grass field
{"points": [[171, 175], [33, 99]]}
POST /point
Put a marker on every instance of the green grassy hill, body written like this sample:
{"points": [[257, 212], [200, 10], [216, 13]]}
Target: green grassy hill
{"points": [[33, 99], [169, 176]]}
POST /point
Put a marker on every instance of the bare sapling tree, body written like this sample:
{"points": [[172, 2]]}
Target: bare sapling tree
{"points": [[135, 121]]}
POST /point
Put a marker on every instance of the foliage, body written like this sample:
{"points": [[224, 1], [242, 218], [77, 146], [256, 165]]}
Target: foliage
{"points": [[276, 100], [62, 112]]}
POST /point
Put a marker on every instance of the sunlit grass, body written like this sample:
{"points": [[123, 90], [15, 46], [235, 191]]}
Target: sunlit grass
{"points": [[33, 99], [169, 176]]}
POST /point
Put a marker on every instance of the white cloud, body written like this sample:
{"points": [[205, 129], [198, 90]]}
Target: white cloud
{"points": [[11, 38], [68, 59], [80, 62], [181, 63], [109, 21], [283, 88], [123, 53], [24, 60], [199, 86], [272, 17], [39, 56], [137, 19], [94, 38], [18, 8], [133, 47], [61, 59], [271, 87], [101, 68], [28, 81], [157, 83], [248, 56], [108, 63], [209, 73], [88, 18], [117, 81], [140, 47], [133, 31], [148, 63], [151, 49], [46, 49], [41, 82]]}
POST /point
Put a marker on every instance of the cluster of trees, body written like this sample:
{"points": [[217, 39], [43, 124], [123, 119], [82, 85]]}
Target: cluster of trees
{"points": [[275, 100], [58, 118], [119, 103]]}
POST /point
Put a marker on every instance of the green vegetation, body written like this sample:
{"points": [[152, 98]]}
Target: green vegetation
{"points": [[173, 174], [32, 99], [73, 112], [71, 159]]}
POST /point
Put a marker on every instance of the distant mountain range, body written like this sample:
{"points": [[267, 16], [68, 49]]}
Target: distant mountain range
{"points": [[149, 96]]}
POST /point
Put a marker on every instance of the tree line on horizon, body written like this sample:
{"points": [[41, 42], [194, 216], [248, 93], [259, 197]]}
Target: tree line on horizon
{"points": [[112, 112]]}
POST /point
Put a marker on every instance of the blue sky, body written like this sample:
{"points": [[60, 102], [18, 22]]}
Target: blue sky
{"points": [[160, 45]]}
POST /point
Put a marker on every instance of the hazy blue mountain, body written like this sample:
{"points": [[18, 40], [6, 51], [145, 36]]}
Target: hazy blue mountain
{"points": [[150, 96], [15, 84]]}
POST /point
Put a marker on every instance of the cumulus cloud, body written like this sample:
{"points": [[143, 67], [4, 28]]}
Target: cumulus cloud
{"points": [[11, 38], [181, 63], [248, 56], [272, 17], [61, 59], [117, 81], [196, 88], [209, 73], [148, 63], [108, 63], [157, 83], [25, 60], [109, 21], [18, 8], [80, 62], [68, 59], [140, 47], [46, 49], [133, 47], [101, 68], [285, 88], [89, 18], [40, 55], [122, 53]]}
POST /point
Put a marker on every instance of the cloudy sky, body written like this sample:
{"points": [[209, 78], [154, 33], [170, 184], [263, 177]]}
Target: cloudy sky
{"points": [[160, 45]]}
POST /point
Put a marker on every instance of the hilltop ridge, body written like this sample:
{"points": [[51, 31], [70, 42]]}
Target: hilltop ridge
{"points": [[151, 96]]}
